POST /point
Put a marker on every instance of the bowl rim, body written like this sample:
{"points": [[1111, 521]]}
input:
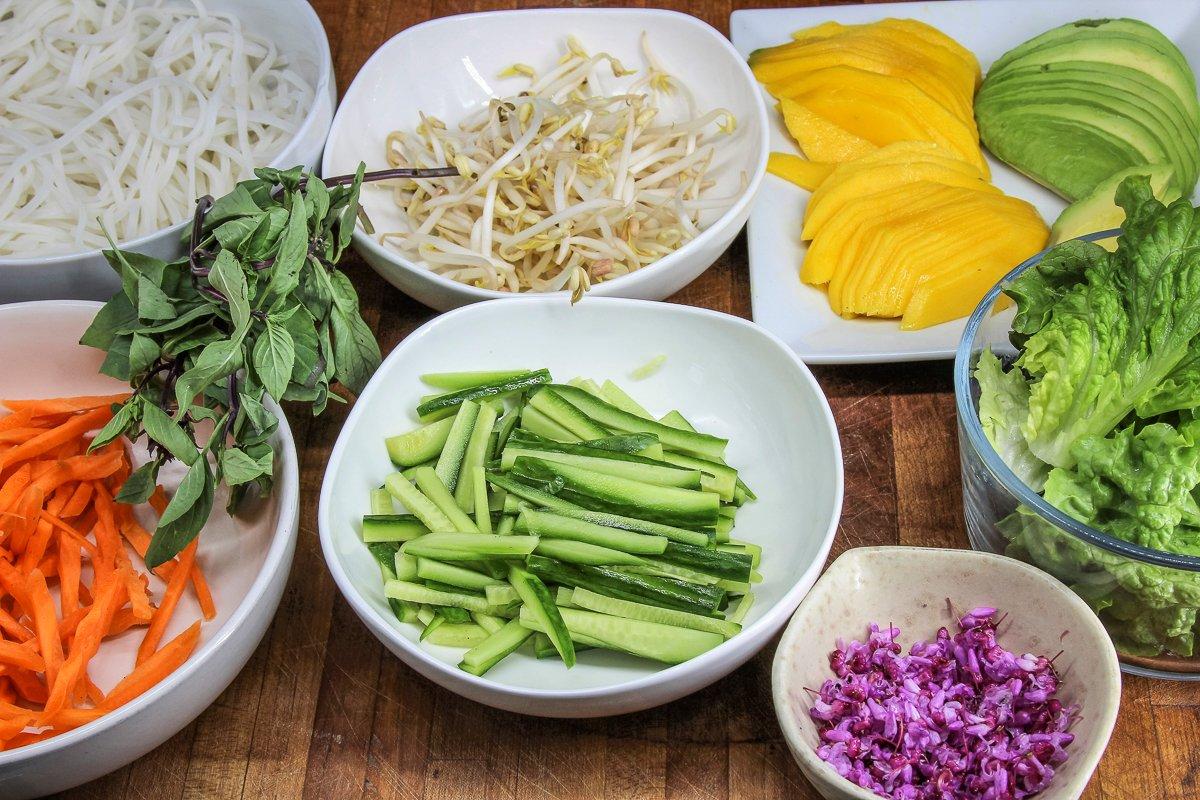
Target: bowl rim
{"points": [[773, 617], [320, 89], [781, 663], [282, 539], [745, 196], [968, 419]]}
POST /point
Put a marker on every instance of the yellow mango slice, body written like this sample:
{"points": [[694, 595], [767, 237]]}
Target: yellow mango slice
{"points": [[883, 120], [951, 89], [895, 242], [800, 171], [830, 198], [935, 37], [819, 138], [828, 251], [935, 302], [1002, 231]]}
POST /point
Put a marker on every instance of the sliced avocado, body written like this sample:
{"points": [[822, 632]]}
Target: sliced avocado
{"points": [[1086, 28], [1138, 119], [1069, 148], [1097, 212], [1145, 50]]}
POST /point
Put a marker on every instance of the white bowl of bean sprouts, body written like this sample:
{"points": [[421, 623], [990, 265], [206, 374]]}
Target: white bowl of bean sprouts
{"points": [[131, 109], [610, 151]]}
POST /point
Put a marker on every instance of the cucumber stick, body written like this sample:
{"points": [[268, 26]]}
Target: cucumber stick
{"points": [[608, 415], [419, 446], [539, 424], [391, 527], [538, 604], [474, 456], [454, 575], [548, 402], [556, 526], [616, 395], [666, 643], [602, 604], [418, 504], [449, 463], [479, 498], [439, 494], [584, 553], [623, 466], [671, 532], [499, 643], [381, 502], [444, 404], [456, 381], [612, 494], [469, 546]]}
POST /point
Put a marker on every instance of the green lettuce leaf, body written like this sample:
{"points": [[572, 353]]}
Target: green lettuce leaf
{"points": [[1111, 339], [1003, 407]]}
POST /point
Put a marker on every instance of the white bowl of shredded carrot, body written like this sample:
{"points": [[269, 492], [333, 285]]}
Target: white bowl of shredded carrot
{"points": [[101, 660]]}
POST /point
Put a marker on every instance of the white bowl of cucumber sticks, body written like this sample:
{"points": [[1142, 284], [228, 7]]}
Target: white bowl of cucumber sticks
{"points": [[562, 511]]}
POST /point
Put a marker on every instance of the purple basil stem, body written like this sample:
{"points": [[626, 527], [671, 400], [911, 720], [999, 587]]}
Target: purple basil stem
{"points": [[958, 718]]}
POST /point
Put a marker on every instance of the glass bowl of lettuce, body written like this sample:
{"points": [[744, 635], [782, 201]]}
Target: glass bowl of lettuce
{"points": [[1080, 433]]}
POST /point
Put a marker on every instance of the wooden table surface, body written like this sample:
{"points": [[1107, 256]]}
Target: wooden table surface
{"points": [[322, 711]]}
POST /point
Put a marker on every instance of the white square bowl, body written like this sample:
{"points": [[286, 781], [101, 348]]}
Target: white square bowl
{"points": [[448, 68], [800, 314], [724, 374]]}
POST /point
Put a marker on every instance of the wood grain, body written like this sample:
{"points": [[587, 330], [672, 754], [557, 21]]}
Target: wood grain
{"points": [[322, 711]]}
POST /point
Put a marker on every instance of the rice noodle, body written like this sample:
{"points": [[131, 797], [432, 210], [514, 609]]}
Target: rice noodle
{"points": [[562, 184], [117, 114]]}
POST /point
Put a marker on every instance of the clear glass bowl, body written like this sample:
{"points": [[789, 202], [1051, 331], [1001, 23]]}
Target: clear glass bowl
{"points": [[1004, 515]]}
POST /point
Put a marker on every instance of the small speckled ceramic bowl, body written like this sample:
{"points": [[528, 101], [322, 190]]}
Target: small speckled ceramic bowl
{"points": [[909, 587]]}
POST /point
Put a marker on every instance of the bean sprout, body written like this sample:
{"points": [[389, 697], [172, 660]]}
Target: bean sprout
{"points": [[562, 186], [117, 114]]}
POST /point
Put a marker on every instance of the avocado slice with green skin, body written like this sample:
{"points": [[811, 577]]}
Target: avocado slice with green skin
{"points": [[1160, 139], [1067, 156], [1088, 28], [1160, 60], [1123, 79], [1098, 212]]}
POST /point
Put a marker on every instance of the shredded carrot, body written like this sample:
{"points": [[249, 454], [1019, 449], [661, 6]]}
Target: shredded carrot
{"points": [[68, 578]]}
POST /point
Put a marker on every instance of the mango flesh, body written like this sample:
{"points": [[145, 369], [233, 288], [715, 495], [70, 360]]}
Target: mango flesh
{"points": [[820, 139], [800, 171]]}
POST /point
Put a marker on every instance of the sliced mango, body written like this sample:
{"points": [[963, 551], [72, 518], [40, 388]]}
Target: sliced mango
{"points": [[819, 138], [934, 302], [833, 194], [800, 171], [883, 110]]}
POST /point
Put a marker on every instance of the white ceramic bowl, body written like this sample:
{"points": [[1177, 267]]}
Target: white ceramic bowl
{"points": [[448, 67], [246, 561], [297, 31], [724, 374], [909, 587]]}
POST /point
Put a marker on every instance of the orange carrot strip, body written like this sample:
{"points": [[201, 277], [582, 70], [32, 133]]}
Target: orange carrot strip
{"points": [[21, 656], [79, 500], [35, 550], [31, 509], [17, 419], [137, 586], [27, 684], [19, 435], [159, 500], [14, 584], [72, 429], [158, 666], [123, 621], [12, 628], [166, 608], [70, 568], [15, 486], [88, 636], [79, 468], [65, 405], [203, 594], [72, 533], [45, 623]]}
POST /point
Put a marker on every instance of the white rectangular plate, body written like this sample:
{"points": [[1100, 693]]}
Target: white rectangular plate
{"points": [[800, 314]]}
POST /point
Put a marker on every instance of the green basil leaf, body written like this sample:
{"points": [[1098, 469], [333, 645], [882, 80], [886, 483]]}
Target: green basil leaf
{"points": [[238, 203], [117, 316], [228, 278], [168, 433], [184, 516], [140, 484], [217, 360], [127, 414], [153, 303], [356, 349], [116, 363], [259, 245], [316, 193], [293, 250], [191, 315], [239, 467], [231, 234], [143, 351], [274, 356]]}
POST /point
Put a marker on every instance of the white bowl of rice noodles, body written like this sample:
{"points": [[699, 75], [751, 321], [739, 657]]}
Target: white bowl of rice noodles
{"points": [[116, 115], [604, 151]]}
